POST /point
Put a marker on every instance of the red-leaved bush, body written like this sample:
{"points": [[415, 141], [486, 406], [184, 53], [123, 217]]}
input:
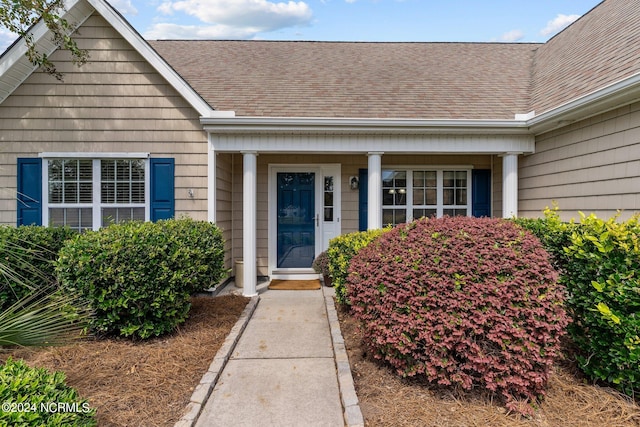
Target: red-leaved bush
{"points": [[463, 301]]}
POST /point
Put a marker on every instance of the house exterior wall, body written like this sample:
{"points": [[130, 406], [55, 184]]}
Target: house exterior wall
{"points": [[224, 201], [350, 166], [496, 185], [589, 166], [115, 103]]}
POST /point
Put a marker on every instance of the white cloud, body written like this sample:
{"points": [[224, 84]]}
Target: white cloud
{"points": [[6, 39], [557, 24], [261, 15], [124, 6], [512, 36], [181, 32]]}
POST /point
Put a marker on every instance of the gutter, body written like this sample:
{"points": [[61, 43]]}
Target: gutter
{"points": [[225, 125], [615, 95]]}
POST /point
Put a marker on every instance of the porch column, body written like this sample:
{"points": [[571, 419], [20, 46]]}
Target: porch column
{"points": [[374, 197], [211, 184], [249, 213], [509, 185]]}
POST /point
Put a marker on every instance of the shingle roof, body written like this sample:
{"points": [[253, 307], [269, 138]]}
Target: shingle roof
{"points": [[412, 80], [600, 48], [356, 80]]}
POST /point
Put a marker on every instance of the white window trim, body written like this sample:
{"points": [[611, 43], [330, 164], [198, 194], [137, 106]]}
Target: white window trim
{"points": [[440, 207], [93, 156], [96, 206]]}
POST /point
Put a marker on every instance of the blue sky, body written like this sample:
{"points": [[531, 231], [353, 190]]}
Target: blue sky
{"points": [[350, 20]]}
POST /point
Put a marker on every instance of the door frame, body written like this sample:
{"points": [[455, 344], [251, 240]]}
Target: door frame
{"points": [[320, 170]]}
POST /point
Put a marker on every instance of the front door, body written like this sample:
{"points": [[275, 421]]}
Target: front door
{"points": [[304, 214], [296, 220]]}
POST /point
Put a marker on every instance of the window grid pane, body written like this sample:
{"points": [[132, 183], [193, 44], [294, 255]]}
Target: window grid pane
{"points": [[394, 216], [70, 181], [421, 213], [394, 188], [454, 192], [71, 184], [427, 188], [122, 181], [79, 219], [120, 215]]}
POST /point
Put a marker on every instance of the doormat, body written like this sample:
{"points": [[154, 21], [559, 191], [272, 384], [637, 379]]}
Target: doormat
{"points": [[295, 285]]}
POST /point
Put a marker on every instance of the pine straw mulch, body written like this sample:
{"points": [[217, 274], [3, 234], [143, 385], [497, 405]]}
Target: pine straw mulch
{"points": [[143, 383], [388, 400]]}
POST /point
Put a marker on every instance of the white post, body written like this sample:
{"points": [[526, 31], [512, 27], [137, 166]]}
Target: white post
{"points": [[374, 200], [509, 185], [211, 183], [249, 212]]}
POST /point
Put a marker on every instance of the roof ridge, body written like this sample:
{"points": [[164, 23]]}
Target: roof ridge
{"points": [[342, 42]]}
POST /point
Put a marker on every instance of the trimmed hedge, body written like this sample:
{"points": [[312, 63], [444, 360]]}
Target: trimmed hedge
{"points": [[340, 252], [603, 279], [27, 255], [462, 301], [138, 277], [554, 234], [36, 397]]}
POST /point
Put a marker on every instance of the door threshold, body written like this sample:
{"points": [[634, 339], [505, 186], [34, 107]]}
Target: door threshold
{"points": [[297, 274]]}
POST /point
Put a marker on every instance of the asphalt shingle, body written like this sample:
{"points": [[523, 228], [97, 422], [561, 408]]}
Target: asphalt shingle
{"points": [[412, 80]]}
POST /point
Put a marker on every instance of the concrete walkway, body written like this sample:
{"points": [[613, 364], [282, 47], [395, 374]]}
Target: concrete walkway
{"points": [[288, 368]]}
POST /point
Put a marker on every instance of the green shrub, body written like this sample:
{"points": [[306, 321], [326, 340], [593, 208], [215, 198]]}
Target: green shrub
{"points": [[36, 397], [202, 244], [27, 255], [340, 252], [321, 264], [604, 299], [554, 234], [138, 277], [464, 302]]}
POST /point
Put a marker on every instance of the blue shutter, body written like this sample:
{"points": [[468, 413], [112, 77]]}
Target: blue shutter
{"points": [[29, 189], [363, 203], [481, 191], [162, 189]]}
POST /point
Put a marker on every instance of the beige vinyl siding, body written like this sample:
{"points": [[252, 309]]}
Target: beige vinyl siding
{"points": [[496, 190], [350, 166], [589, 166], [224, 201], [115, 103]]}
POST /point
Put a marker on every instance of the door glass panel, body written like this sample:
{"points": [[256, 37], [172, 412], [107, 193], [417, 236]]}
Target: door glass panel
{"points": [[296, 219], [328, 198]]}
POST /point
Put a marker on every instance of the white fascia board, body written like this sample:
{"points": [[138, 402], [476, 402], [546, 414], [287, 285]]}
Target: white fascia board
{"points": [[616, 95], [15, 67], [362, 126], [147, 52], [19, 49], [384, 144]]}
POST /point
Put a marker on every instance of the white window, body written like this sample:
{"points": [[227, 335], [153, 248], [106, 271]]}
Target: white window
{"points": [[86, 194], [409, 194]]}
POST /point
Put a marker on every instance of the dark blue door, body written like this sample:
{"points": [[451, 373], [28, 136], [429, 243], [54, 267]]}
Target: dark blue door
{"points": [[296, 219], [481, 192]]}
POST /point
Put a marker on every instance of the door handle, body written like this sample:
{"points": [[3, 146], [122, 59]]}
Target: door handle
{"points": [[317, 220]]}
